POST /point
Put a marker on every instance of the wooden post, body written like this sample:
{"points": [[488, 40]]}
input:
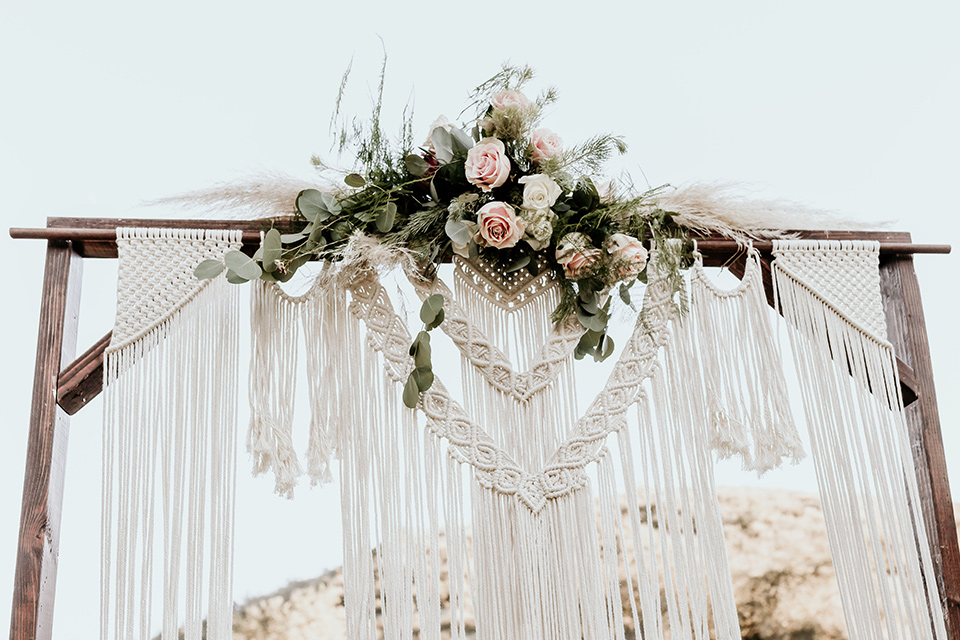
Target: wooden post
{"points": [[907, 331], [39, 545]]}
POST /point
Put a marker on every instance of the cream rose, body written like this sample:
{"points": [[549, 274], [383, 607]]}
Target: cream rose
{"points": [[499, 225], [509, 99], [487, 164], [539, 228], [630, 256], [577, 256], [540, 191], [546, 144], [440, 123]]}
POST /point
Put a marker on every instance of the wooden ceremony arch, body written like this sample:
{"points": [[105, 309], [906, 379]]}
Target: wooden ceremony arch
{"points": [[64, 384]]}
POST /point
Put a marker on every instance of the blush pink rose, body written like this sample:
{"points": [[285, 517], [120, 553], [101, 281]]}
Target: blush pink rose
{"points": [[487, 164], [546, 144], [577, 256], [630, 256], [509, 99], [499, 225]]}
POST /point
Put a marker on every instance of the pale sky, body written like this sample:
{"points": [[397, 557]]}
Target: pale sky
{"points": [[850, 107]]}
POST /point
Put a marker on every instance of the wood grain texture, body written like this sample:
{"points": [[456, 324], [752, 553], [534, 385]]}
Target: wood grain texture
{"points": [[82, 380], [923, 420], [39, 541]]}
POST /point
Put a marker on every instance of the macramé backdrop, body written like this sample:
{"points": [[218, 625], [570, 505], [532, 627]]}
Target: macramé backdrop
{"points": [[509, 456]]}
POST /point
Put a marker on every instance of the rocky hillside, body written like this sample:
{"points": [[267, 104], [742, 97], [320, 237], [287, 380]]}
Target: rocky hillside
{"points": [[782, 575]]}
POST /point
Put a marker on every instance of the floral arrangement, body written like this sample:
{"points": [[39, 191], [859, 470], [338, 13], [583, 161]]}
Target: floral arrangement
{"points": [[502, 188]]}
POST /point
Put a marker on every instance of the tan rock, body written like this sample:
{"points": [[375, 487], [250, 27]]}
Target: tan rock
{"points": [[780, 563]]}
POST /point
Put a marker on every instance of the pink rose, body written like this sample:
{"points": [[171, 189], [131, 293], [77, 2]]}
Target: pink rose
{"points": [[546, 144], [509, 99], [499, 225], [630, 256], [487, 164], [577, 256]]}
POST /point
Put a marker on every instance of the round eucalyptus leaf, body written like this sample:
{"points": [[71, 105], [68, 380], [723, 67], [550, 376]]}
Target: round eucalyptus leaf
{"points": [[386, 216], [310, 205], [517, 264], [437, 321], [423, 377], [355, 180], [411, 392], [234, 278], [458, 231], [242, 265], [416, 165], [208, 269], [595, 322], [431, 307], [272, 249], [604, 348]]}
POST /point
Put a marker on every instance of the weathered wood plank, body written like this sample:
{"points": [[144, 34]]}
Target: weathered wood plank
{"points": [[39, 542], [923, 420]]}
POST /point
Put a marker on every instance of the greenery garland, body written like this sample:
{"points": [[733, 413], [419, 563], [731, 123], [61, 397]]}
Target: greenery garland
{"points": [[500, 188]]}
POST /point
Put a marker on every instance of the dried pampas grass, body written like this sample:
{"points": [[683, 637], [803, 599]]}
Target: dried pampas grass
{"points": [[724, 209], [269, 195]]}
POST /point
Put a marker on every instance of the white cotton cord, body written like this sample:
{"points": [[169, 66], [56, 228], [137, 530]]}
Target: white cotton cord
{"points": [[749, 408], [274, 350], [859, 439], [170, 387]]}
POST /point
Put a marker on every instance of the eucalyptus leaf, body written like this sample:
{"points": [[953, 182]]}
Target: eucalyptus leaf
{"points": [[473, 250], [355, 180], [421, 350], [416, 165], [443, 145], [290, 238], [589, 340], [386, 216], [517, 264], [436, 321], [431, 308], [331, 203], [411, 393], [433, 192], [272, 249], [462, 141], [458, 231], [242, 265], [594, 322], [625, 294], [604, 349], [310, 205], [423, 377], [234, 278], [208, 269]]}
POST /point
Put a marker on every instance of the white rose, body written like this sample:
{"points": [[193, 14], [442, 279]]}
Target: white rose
{"points": [[440, 123], [546, 144], [539, 228], [540, 191]]}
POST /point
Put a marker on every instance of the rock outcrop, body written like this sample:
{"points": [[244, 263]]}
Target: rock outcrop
{"points": [[782, 575]]}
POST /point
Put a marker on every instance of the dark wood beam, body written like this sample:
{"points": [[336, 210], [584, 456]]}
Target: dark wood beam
{"points": [[39, 543], [82, 380], [907, 331]]}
